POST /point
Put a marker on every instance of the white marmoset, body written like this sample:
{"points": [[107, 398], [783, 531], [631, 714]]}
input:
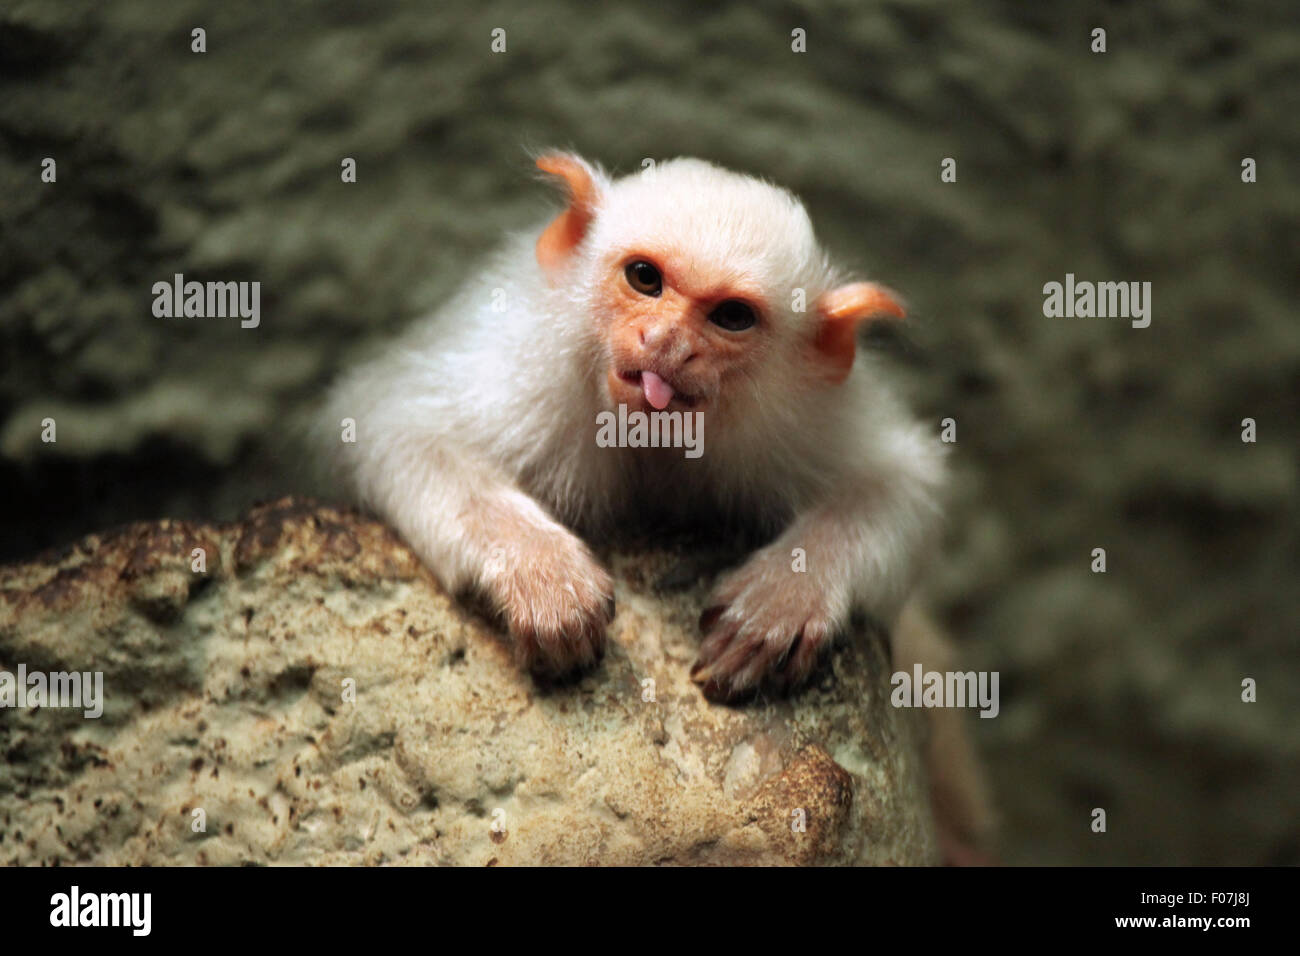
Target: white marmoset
{"points": [[684, 293]]}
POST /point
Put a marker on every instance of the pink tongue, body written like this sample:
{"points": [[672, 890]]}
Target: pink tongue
{"points": [[657, 392]]}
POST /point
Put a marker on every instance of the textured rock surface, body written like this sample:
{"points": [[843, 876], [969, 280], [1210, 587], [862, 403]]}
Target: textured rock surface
{"points": [[225, 692]]}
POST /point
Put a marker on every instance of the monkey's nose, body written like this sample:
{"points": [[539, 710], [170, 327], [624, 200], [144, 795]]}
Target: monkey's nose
{"points": [[659, 335]]}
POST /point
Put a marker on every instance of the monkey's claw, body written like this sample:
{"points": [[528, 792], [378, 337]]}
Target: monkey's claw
{"points": [[736, 661]]}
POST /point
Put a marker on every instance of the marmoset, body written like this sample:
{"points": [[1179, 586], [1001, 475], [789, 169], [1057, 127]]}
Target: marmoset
{"points": [[683, 295]]}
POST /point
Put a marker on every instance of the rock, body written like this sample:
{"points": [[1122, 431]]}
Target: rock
{"points": [[225, 692]]}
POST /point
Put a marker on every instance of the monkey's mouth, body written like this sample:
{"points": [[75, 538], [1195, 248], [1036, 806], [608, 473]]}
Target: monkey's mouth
{"points": [[658, 393]]}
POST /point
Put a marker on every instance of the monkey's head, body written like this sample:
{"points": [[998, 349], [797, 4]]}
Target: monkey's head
{"points": [[703, 289]]}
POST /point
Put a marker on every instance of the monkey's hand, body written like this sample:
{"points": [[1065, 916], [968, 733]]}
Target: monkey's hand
{"points": [[556, 598], [766, 625], [770, 621]]}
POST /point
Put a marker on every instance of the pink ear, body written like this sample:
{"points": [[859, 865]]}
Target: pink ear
{"points": [[840, 311], [562, 236]]}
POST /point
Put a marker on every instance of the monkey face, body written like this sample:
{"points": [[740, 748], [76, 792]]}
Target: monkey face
{"points": [[675, 333], [695, 281]]}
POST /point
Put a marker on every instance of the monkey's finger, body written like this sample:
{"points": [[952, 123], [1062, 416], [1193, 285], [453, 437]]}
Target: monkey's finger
{"points": [[588, 644], [807, 652], [740, 663], [527, 653], [718, 685], [559, 653], [710, 617], [579, 652], [704, 670], [716, 641], [768, 661], [725, 692]]}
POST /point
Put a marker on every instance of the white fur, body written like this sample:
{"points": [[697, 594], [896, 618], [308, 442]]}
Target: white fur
{"points": [[472, 405]]}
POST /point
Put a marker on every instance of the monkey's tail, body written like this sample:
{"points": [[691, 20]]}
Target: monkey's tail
{"points": [[960, 798]]}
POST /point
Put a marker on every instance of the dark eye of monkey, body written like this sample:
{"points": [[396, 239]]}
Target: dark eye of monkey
{"points": [[644, 277], [733, 315]]}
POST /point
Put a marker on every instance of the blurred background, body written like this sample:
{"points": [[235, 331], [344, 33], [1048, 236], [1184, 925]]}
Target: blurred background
{"points": [[1119, 690]]}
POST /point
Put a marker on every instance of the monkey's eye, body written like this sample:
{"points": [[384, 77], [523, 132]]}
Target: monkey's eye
{"points": [[644, 277], [733, 315]]}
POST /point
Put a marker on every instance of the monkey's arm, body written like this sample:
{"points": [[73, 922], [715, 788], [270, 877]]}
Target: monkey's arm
{"points": [[474, 528]]}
